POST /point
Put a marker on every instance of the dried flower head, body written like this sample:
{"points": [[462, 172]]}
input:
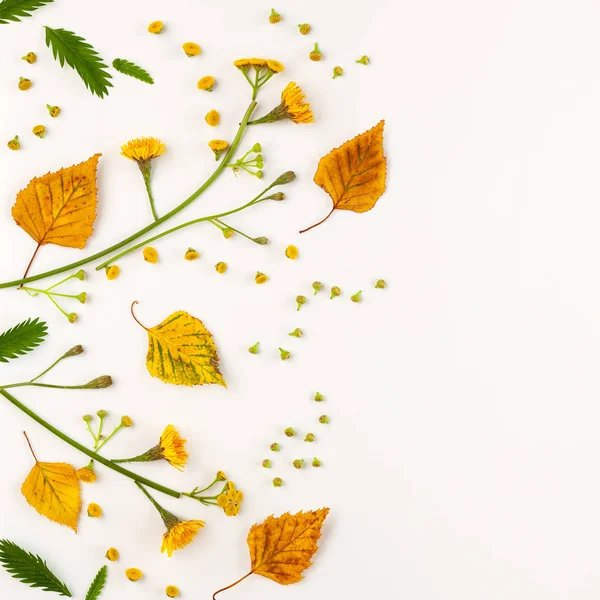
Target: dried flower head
{"points": [[172, 591], [337, 72], [310, 437], [30, 57], [356, 297], [297, 333], [275, 65], [102, 413], [126, 421], [172, 448], [300, 300], [99, 383], [155, 27], [275, 447], [94, 510], [54, 111], [316, 462], [133, 574], [206, 83], [191, 254], [261, 241], [260, 277], [221, 267], [86, 474], [179, 535], [221, 476], [150, 255], [72, 317], [324, 419], [318, 397], [230, 500], [143, 150], [191, 49], [213, 118], [112, 272], [217, 146], [364, 60], [14, 144], [304, 28], [267, 464], [335, 291], [290, 432], [380, 284], [112, 554], [274, 17], [24, 84], [298, 463], [316, 54], [291, 252], [277, 482], [292, 107], [317, 286]]}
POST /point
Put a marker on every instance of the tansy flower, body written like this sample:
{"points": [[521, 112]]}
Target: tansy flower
{"points": [[39, 131], [275, 65], [14, 144], [230, 499], [172, 591], [179, 534], [206, 83], [112, 272], [264, 68], [30, 57], [150, 255], [155, 27], [171, 448], [213, 118], [191, 49], [292, 107], [260, 277], [133, 574], [24, 84], [217, 146], [86, 474], [94, 510], [191, 254], [53, 110], [274, 17], [291, 252], [112, 554], [221, 267]]}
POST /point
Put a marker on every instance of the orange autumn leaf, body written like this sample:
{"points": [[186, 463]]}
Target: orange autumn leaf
{"points": [[59, 208], [281, 547], [354, 174]]}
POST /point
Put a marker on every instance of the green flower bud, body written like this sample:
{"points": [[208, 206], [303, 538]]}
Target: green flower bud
{"points": [[267, 463], [30, 57], [274, 17], [79, 275], [259, 174], [287, 177], [298, 463], [317, 286], [304, 28], [228, 232], [87, 418], [277, 196], [318, 397], [363, 60], [126, 421], [300, 300], [310, 437], [380, 284], [324, 419], [102, 414], [289, 432], [316, 462], [337, 72], [356, 297], [263, 241], [275, 447], [254, 349], [82, 297], [277, 482], [257, 148], [100, 382], [316, 53], [284, 354], [74, 351], [72, 317], [296, 333], [335, 291]]}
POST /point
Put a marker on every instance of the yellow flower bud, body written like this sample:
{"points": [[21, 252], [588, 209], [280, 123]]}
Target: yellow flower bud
{"points": [[356, 297], [380, 284], [126, 421], [24, 84], [213, 118], [206, 83], [316, 462], [316, 55], [284, 354], [172, 591], [86, 474], [112, 272], [221, 267], [304, 28], [155, 27], [290, 432], [363, 60], [112, 554], [337, 72], [335, 291], [133, 574], [150, 255], [260, 277], [191, 49], [191, 254], [14, 144], [300, 300], [94, 510], [277, 482], [221, 476], [267, 464], [298, 463], [274, 17], [72, 317], [291, 252], [53, 110], [254, 349], [39, 130], [217, 146], [30, 57]]}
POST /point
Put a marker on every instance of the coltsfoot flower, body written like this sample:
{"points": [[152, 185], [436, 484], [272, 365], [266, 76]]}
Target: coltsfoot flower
{"points": [[172, 591], [213, 118], [206, 84], [112, 554], [337, 72], [143, 150], [133, 574], [316, 54], [298, 463], [191, 49], [221, 267], [304, 28], [277, 482], [260, 277], [54, 111], [86, 474], [156, 27], [191, 254], [14, 144], [112, 272], [94, 510], [292, 107], [364, 60], [284, 354], [150, 255], [179, 533], [380, 284], [335, 291], [274, 17], [356, 297], [218, 146], [230, 500], [292, 252], [30, 57], [24, 83], [254, 349]]}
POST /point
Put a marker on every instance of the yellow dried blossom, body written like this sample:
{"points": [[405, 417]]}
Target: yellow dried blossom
{"points": [[179, 535], [316, 54], [53, 110], [206, 83], [112, 272], [275, 65], [291, 252], [304, 28], [218, 146], [274, 17], [292, 107], [30, 57], [39, 131], [230, 500], [191, 254], [86, 474], [155, 27], [94, 510], [112, 554], [14, 144], [24, 84], [172, 591], [221, 267], [133, 574], [337, 72], [191, 49], [143, 149], [150, 255], [213, 118], [126, 421], [260, 277]]}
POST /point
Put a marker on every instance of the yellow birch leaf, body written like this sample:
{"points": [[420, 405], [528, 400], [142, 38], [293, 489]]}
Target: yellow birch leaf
{"points": [[281, 547], [59, 208], [354, 174], [53, 490], [182, 351]]}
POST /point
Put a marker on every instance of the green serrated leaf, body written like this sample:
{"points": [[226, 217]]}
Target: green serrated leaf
{"points": [[15, 10], [22, 338], [97, 585], [68, 47], [30, 569], [128, 68]]}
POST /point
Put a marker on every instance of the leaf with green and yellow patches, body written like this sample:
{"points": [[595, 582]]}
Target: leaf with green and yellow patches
{"points": [[181, 351]]}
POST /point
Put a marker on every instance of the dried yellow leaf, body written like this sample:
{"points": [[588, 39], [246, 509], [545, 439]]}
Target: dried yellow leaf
{"points": [[354, 174], [181, 351]]}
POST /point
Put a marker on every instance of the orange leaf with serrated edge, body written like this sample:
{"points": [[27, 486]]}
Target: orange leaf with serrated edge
{"points": [[354, 174], [281, 547], [53, 490], [59, 208]]}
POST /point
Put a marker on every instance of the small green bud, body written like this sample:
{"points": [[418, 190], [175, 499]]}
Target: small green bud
{"points": [[87, 418], [316, 462], [324, 419], [287, 177], [277, 196], [277, 482], [102, 414], [275, 447], [356, 297], [72, 317], [82, 297], [256, 148], [262, 241], [254, 349], [300, 300], [259, 174], [337, 72], [318, 397], [310, 437], [284, 354], [14, 144], [79, 275], [126, 421], [74, 351], [289, 432], [100, 382], [298, 463], [304, 28], [380, 284], [317, 286], [364, 60], [228, 232], [267, 463], [335, 291], [296, 333]]}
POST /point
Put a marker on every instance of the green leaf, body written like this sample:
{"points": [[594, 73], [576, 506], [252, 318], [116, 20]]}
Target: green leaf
{"points": [[30, 569], [68, 47], [128, 68], [14, 10], [22, 338], [97, 585]]}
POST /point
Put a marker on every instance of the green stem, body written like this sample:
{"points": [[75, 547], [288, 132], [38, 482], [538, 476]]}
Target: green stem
{"points": [[97, 457], [119, 426], [42, 385], [61, 282], [57, 305], [148, 228], [48, 369], [146, 175], [48, 293], [236, 230]]}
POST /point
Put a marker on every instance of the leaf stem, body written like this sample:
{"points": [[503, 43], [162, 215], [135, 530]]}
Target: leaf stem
{"points": [[97, 457], [232, 585], [319, 223], [37, 249], [84, 261]]}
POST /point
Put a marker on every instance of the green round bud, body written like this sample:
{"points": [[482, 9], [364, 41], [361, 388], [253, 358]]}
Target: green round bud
{"points": [[267, 463], [275, 447], [277, 482], [316, 462], [310, 437], [284, 354], [335, 291], [298, 463], [323, 419], [319, 397], [102, 414], [356, 297], [289, 432], [87, 418]]}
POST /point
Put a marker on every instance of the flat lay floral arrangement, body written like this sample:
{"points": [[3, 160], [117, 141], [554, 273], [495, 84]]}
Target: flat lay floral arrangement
{"points": [[61, 208]]}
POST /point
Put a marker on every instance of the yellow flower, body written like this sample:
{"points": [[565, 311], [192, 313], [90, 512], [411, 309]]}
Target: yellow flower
{"points": [[24, 84], [39, 130], [260, 277], [112, 272], [30, 57], [221, 476], [230, 499], [191, 49], [191, 254], [150, 255], [221, 267], [180, 535], [143, 149], [112, 554], [172, 448], [304, 28], [86, 474], [53, 110], [155, 27], [14, 144], [217, 146], [213, 118], [291, 252], [275, 65], [206, 83], [337, 72], [274, 17], [292, 107], [316, 54], [172, 591], [126, 421], [134, 574], [94, 510]]}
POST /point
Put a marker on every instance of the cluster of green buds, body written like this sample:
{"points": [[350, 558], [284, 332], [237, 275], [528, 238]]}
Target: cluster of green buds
{"points": [[252, 165], [98, 437], [53, 295]]}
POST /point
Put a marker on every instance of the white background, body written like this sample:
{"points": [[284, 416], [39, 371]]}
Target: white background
{"points": [[461, 457]]}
